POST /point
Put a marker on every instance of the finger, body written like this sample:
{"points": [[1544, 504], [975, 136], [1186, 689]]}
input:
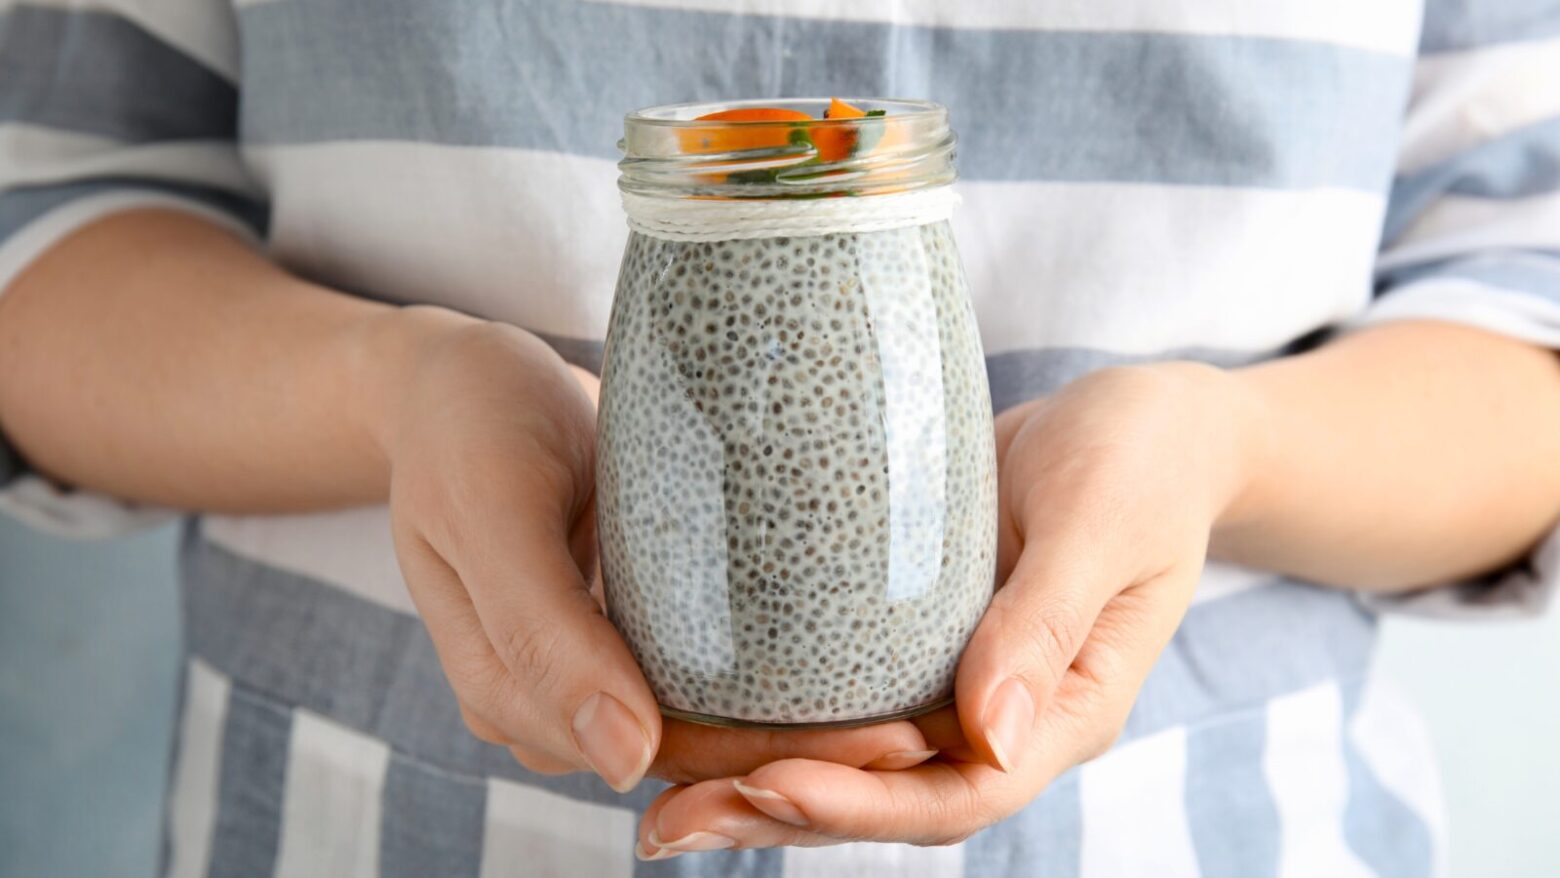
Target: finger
{"points": [[643, 849], [1132, 630], [944, 801], [569, 689], [479, 726], [942, 731], [468, 659], [713, 815], [1030, 634], [464, 652], [691, 752], [577, 688], [935, 803]]}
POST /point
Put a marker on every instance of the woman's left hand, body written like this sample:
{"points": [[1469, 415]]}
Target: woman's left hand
{"points": [[1109, 492]]}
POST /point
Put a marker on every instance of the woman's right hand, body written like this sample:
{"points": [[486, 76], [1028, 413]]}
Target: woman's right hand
{"points": [[490, 441]]}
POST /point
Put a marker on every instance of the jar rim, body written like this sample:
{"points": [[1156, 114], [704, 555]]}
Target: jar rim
{"points": [[685, 115], [899, 145]]}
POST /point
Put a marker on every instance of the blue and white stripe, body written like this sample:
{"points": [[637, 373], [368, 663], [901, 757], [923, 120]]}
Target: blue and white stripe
{"points": [[335, 713], [1205, 179]]}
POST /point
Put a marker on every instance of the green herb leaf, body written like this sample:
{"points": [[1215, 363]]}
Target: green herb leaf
{"points": [[765, 175]]}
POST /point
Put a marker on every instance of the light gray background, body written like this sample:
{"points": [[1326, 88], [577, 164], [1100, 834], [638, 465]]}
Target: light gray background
{"points": [[89, 636]]}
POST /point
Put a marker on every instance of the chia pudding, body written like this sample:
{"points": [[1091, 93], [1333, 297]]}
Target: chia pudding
{"points": [[797, 489]]}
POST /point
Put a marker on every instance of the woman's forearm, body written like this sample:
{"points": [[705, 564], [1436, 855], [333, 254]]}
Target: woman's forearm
{"points": [[156, 357], [1404, 455]]}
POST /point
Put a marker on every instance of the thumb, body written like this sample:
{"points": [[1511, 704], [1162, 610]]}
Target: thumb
{"points": [[1028, 638], [576, 683]]}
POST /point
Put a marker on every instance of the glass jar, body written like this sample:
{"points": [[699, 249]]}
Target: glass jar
{"points": [[796, 471]]}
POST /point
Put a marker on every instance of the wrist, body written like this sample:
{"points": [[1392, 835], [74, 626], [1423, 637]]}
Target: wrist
{"points": [[384, 358], [1243, 424], [430, 376], [1230, 441]]}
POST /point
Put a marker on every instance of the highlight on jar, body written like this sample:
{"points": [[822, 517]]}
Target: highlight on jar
{"points": [[796, 472]]}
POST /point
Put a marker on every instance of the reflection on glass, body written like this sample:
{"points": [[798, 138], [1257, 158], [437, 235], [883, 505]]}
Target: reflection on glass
{"points": [[904, 319]]}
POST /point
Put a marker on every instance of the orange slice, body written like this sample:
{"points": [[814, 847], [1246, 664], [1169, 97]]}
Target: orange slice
{"points": [[831, 142], [731, 138], [836, 142]]}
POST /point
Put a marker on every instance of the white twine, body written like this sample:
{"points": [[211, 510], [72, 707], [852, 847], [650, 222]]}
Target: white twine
{"points": [[688, 219]]}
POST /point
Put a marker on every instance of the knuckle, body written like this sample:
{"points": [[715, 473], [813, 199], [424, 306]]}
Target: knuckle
{"points": [[1097, 732], [1054, 627], [1095, 720], [476, 682], [480, 728], [957, 813], [535, 654]]}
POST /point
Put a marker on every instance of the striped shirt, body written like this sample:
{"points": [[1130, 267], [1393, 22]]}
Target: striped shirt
{"points": [[1209, 179]]}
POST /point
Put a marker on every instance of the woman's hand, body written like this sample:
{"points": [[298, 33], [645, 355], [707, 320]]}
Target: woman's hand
{"points": [[1109, 491], [490, 442]]}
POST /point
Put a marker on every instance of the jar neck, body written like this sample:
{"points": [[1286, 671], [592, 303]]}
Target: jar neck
{"points": [[728, 219], [901, 147]]}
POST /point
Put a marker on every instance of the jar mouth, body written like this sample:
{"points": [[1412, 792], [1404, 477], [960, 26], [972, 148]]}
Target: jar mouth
{"points": [[902, 145], [687, 114]]}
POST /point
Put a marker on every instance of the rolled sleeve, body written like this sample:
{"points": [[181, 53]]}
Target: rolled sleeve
{"points": [[115, 106], [1521, 591], [1472, 233]]}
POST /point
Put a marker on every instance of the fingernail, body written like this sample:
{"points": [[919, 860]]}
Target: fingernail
{"points": [[650, 855], [900, 760], [773, 804], [1009, 719], [612, 741], [694, 842]]}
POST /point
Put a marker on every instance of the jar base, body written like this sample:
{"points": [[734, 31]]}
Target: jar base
{"points": [[726, 722]]}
